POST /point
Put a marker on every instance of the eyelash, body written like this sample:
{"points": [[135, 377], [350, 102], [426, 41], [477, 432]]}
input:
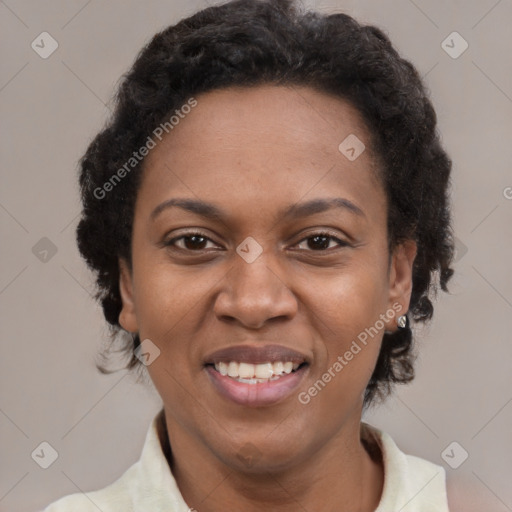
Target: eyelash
{"points": [[171, 243]]}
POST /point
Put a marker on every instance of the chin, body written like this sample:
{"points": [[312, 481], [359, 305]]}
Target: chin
{"points": [[253, 457]]}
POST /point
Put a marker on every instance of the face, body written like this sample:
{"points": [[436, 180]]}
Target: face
{"points": [[260, 250]]}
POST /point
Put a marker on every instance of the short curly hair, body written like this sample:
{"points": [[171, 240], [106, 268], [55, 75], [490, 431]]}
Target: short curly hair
{"points": [[246, 43]]}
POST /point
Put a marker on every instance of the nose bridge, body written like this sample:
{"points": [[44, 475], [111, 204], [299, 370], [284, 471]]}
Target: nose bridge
{"points": [[254, 292], [255, 280]]}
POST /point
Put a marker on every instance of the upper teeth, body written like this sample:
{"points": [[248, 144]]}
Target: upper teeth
{"points": [[258, 371]]}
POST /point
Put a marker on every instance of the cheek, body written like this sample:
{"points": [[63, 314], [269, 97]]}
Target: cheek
{"points": [[347, 309], [165, 296], [351, 299], [168, 307], [345, 312], [173, 307]]}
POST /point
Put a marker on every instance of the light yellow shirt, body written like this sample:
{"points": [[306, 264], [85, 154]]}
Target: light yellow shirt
{"points": [[411, 484]]}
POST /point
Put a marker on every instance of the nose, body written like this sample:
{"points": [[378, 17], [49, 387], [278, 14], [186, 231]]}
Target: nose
{"points": [[253, 294]]}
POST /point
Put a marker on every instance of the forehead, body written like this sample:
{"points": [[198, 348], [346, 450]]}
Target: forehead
{"points": [[263, 145]]}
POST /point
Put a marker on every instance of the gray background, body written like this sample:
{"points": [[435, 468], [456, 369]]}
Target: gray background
{"points": [[51, 329]]}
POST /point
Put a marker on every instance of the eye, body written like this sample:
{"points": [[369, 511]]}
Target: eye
{"points": [[322, 241], [197, 241], [190, 242]]}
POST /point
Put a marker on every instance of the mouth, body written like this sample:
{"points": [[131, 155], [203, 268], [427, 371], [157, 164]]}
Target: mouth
{"points": [[256, 376], [256, 373]]}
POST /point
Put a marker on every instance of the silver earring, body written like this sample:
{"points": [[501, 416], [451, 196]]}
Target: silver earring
{"points": [[402, 321]]}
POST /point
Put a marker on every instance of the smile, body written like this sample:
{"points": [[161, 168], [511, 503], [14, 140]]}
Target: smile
{"points": [[256, 373]]}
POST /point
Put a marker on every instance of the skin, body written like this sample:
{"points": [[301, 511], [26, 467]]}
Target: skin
{"points": [[254, 152]]}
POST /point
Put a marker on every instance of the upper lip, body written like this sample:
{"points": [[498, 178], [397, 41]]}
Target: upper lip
{"points": [[256, 355]]}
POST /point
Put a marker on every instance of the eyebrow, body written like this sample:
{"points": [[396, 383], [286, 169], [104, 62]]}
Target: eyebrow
{"points": [[212, 212]]}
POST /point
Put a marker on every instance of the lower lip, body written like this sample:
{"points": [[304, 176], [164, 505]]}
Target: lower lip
{"points": [[259, 394]]}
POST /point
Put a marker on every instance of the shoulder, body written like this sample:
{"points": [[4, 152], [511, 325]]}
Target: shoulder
{"points": [[112, 498], [147, 485], [411, 484]]}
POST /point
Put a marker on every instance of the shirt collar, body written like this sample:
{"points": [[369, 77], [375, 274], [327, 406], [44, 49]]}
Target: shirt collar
{"points": [[155, 487]]}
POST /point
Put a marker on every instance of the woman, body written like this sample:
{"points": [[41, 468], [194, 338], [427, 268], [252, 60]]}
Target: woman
{"points": [[266, 213]]}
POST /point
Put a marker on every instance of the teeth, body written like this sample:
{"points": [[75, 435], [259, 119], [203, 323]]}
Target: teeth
{"points": [[233, 369], [246, 372], [263, 371], [278, 368], [222, 368]]}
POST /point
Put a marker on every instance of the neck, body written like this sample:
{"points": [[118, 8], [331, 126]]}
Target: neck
{"points": [[341, 476]]}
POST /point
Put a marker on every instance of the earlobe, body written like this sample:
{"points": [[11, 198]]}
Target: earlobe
{"points": [[400, 278], [127, 316]]}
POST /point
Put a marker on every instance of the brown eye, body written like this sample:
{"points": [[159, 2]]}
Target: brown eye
{"points": [[322, 242], [319, 242], [190, 242], [194, 242]]}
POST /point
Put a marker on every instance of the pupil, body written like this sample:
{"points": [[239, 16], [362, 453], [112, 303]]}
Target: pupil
{"points": [[192, 242], [322, 245]]}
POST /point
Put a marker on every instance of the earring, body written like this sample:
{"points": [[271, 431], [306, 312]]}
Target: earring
{"points": [[402, 321]]}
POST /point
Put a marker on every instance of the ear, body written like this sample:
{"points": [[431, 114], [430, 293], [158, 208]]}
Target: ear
{"points": [[400, 279], [127, 316]]}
